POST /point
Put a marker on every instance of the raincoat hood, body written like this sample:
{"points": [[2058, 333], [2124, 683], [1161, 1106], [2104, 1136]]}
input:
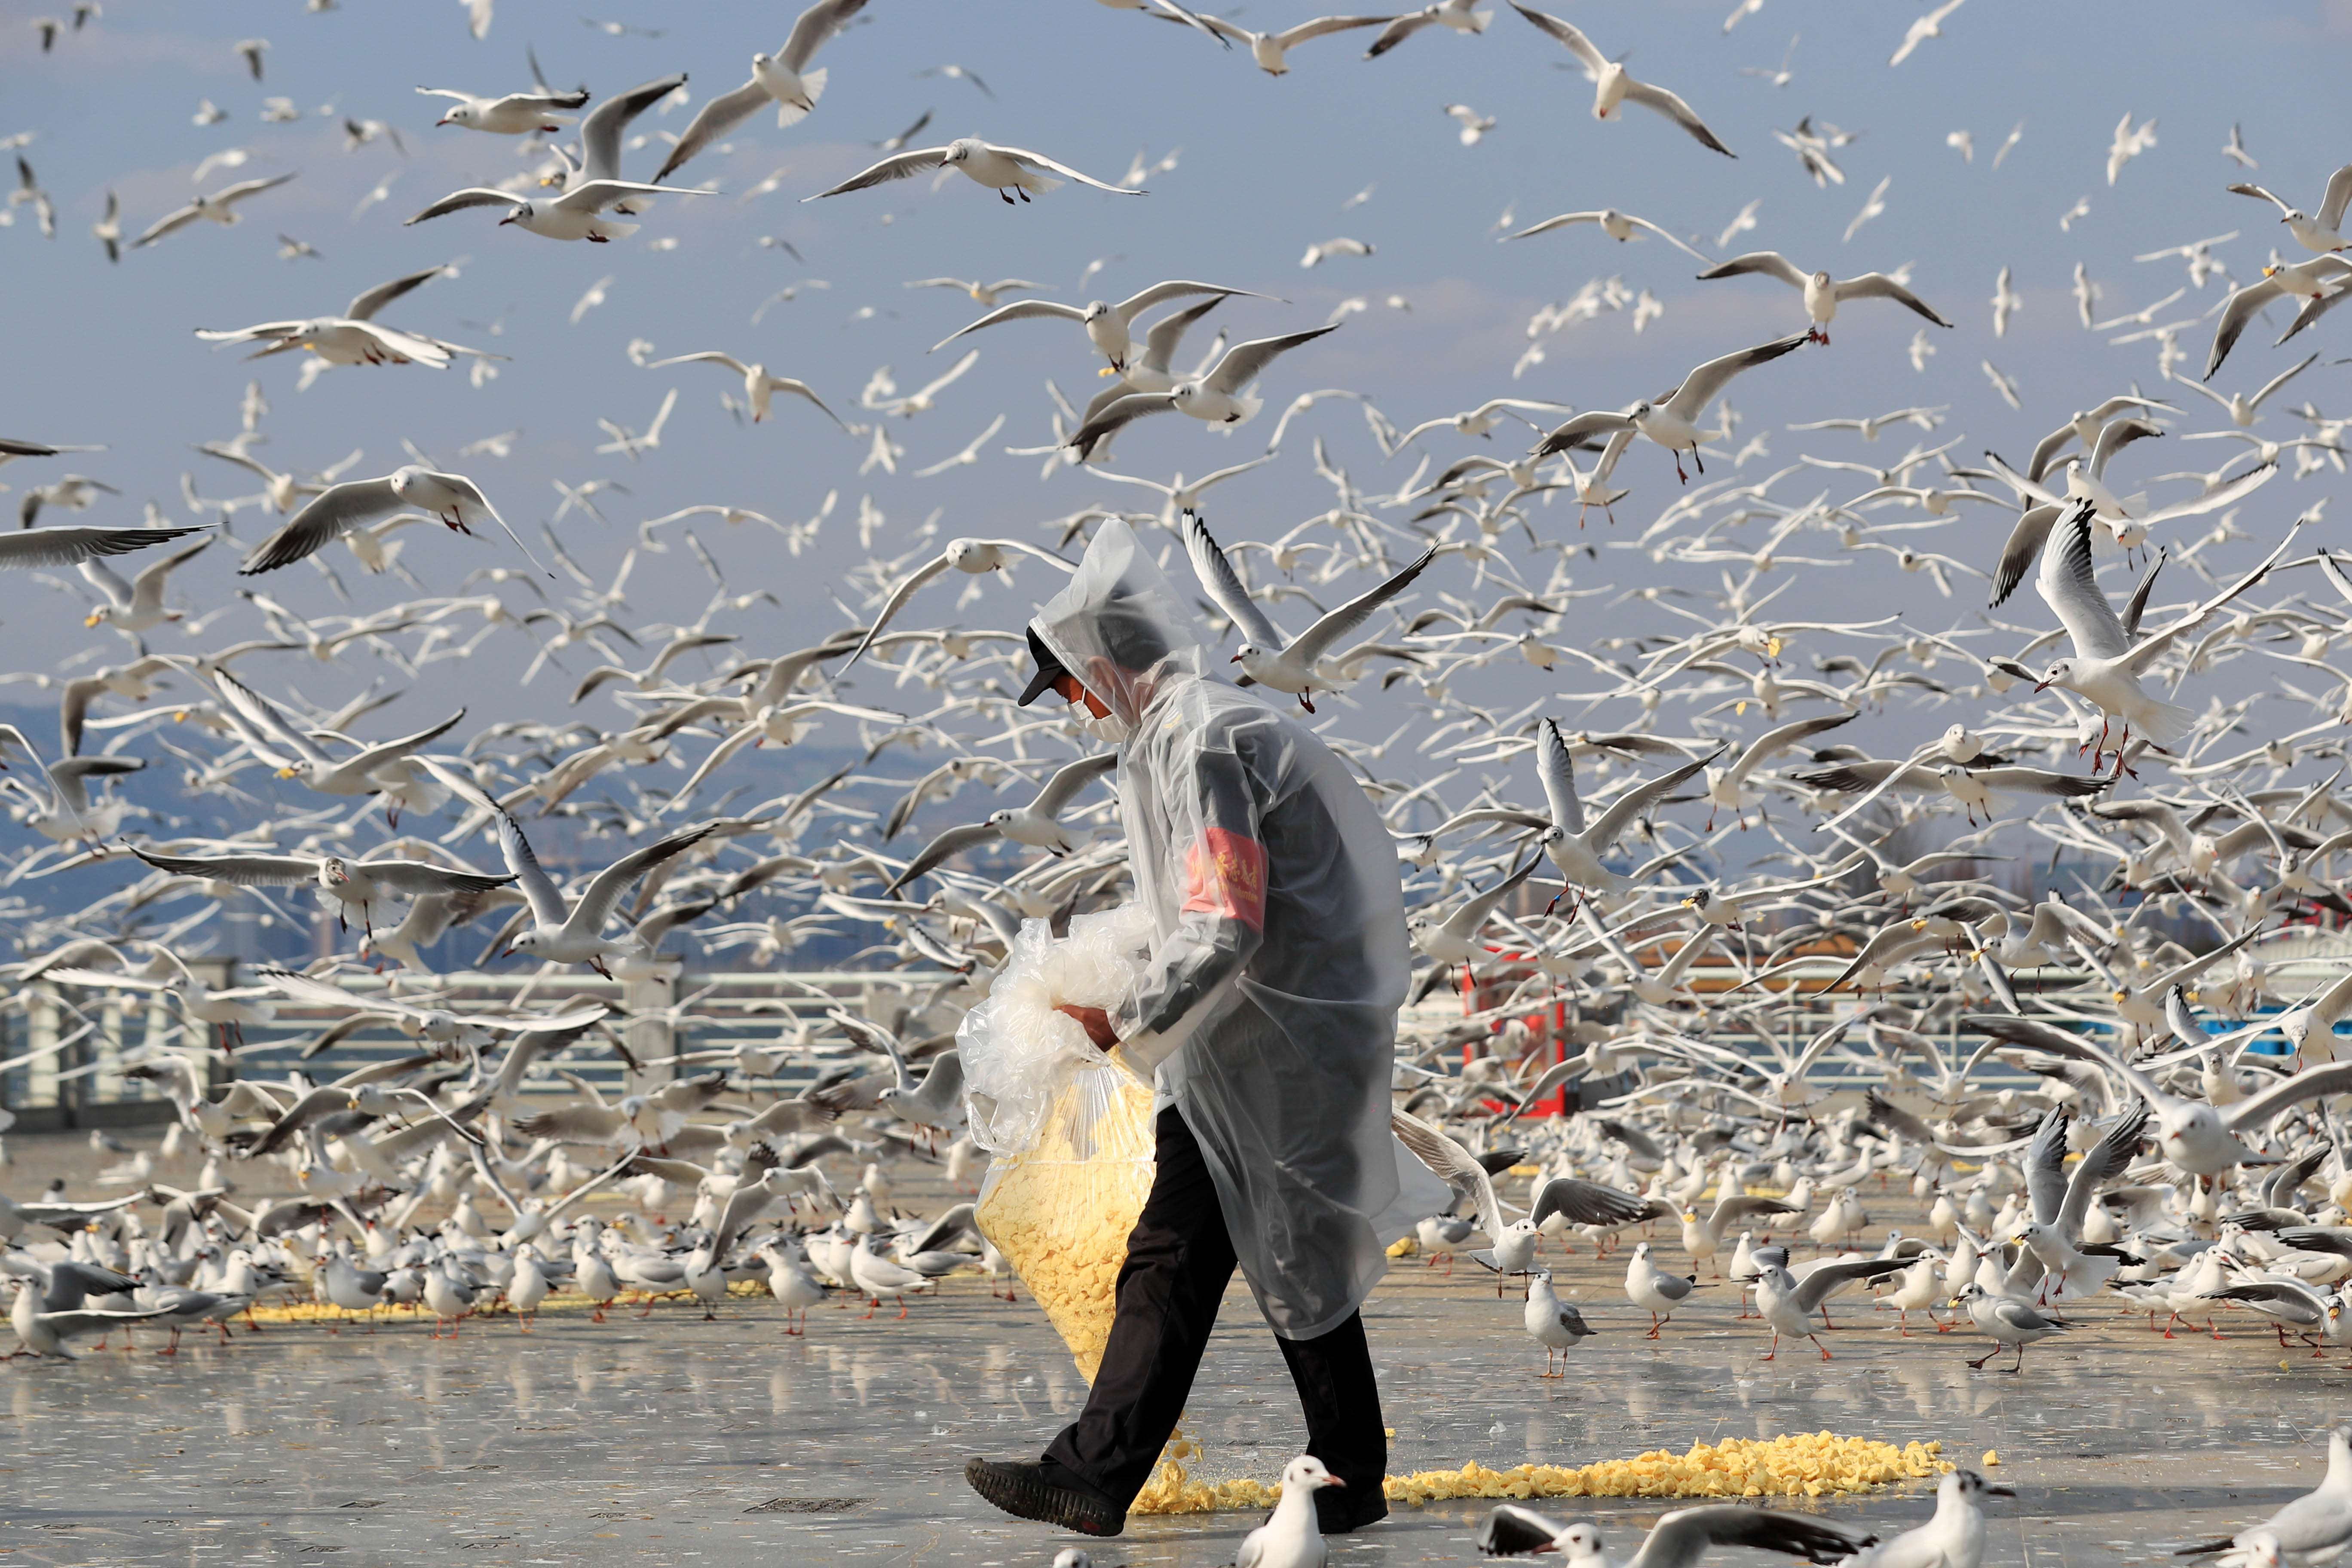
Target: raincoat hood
{"points": [[1119, 626]]}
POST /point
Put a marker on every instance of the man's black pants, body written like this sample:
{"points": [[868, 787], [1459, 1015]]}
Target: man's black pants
{"points": [[1179, 1260]]}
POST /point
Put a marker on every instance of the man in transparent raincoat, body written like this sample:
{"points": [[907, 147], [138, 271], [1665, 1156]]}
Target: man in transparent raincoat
{"points": [[1267, 1014]]}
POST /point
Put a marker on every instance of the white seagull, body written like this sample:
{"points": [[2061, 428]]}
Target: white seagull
{"points": [[2193, 1134], [1551, 1322], [353, 338], [968, 556], [1618, 227], [1109, 327], [1576, 846], [1457, 15], [2106, 663], [354, 503], [1613, 85], [759, 387], [2320, 232], [2315, 1528], [515, 114], [1922, 28], [1671, 419], [1005, 170], [1953, 1537], [362, 882], [1290, 1538], [784, 79], [2006, 1322], [1265, 655], [564, 933], [137, 606], [1823, 293], [1272, 50], [1037, 824], [61, 810], [220, 207], [1787, 1304], [2307, 280], [1219, 395], [30, 547], [1679, 1539], [577, 214]]}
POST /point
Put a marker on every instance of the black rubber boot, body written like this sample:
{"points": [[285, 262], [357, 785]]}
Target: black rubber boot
{"points": [[1340, 1511], [1047, 1493]]}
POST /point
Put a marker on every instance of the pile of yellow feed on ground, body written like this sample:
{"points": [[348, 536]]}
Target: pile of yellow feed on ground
{"points": [[1061, 1211], [562, 1301], [1795, 1465]]}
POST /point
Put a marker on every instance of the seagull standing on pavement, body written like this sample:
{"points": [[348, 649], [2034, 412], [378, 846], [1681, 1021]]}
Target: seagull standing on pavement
{"points": [[2008, 1322], [1954, 1537], [1787, 1304], [1291, 1538], [1553, 1323], [1703, 1239], [44, 1333], [1648, 1285]]}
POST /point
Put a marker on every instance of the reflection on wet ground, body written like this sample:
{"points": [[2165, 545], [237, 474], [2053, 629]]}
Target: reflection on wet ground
{"points": [[666, 1436]]}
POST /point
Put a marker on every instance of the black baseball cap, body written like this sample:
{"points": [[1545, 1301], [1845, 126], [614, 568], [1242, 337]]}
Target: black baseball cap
{"points": [[1049, 670]]}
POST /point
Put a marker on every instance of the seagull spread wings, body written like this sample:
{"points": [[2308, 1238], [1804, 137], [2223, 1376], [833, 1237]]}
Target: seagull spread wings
{"points": [[816, 25], [907, 166], [1455, 1165], [71, 546]]}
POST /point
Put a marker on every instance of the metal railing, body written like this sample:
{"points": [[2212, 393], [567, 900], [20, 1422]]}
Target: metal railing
{"points": [[63, 1046]]}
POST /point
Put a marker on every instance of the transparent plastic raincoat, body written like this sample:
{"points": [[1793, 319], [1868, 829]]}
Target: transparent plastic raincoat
{"points": [[1268, 1003]]}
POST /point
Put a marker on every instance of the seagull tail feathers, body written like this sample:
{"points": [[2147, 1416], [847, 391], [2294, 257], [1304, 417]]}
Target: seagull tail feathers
{"points": [[2164, 722], [814, 84]]}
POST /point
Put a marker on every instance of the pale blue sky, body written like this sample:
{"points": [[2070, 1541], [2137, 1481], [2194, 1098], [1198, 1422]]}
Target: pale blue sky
{"points": [[104, 354]]}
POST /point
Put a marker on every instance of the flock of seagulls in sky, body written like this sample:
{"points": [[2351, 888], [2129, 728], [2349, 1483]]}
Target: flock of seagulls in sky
{"points": [[2062, 956]]}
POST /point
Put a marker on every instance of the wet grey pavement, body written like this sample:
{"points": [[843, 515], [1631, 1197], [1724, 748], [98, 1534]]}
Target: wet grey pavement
{"points": [[668, 1437]]}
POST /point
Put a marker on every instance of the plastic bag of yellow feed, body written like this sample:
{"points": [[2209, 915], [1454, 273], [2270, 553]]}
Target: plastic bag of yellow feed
{"points": [[1069, 1130], [1060, 1212]]}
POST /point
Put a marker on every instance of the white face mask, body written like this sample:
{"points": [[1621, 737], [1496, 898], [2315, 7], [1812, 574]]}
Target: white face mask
{"points": [[1110, 729]]}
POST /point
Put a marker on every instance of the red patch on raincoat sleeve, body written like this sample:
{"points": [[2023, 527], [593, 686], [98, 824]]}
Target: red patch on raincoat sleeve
{"points": [[1225, 875]]}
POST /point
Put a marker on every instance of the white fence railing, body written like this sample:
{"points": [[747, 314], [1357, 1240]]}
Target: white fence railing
{"points": [[63, 1047]]}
